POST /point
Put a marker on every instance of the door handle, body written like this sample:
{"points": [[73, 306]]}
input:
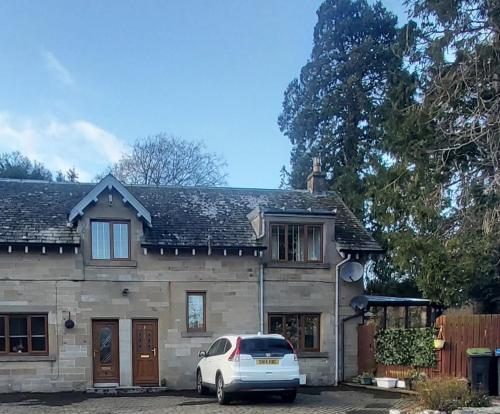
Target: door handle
{"points": [[95, 353], [154, 351]]}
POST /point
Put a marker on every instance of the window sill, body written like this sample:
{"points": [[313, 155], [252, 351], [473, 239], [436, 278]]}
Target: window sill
{"points": [[298, 265], [196, 334], [309, 354], [111, 263], [26, 358]]}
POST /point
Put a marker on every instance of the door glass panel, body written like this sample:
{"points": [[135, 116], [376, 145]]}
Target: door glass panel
{"points": [[18, 334], [105, 345]]}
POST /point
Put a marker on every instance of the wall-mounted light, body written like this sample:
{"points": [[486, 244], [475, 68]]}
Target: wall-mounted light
{"points": [[69, 323], [125, 292]]}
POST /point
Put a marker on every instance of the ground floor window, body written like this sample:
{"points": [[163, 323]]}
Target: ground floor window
{"points": [[196, 312], [302, 330], [23, 334]]}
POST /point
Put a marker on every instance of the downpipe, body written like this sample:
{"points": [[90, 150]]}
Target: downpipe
{"points": [[337, 307], [261, 292]]}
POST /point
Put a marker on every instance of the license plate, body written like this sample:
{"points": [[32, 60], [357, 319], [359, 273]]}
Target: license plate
{"points": [[267, 362]]}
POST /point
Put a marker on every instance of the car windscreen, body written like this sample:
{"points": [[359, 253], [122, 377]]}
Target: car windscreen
{"points": [[265, 347]]}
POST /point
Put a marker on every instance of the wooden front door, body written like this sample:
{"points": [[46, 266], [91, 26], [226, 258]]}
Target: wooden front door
{"points": [[105, 351], [145, 352]]}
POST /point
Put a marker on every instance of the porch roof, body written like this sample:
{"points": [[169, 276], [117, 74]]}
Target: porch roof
{"points": [[363, 302]]}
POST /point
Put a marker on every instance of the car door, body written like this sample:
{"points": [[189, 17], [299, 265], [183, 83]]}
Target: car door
{"points": [[208, 374], [221, 362]]}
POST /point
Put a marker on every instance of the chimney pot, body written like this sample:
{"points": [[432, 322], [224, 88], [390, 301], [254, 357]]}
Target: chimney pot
{"points": [[316, 165], [316, 181]]}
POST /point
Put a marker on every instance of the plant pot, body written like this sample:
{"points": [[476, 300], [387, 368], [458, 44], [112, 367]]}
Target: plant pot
{"points": [[401, 384], [386, 382], [439, 344], [365, 381]]}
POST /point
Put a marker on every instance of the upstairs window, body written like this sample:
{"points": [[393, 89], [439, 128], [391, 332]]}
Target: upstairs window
{"points": [[110, 240], [297, 242]]}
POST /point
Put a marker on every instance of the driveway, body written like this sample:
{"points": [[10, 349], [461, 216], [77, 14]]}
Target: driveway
{"points": [[310, 400]]}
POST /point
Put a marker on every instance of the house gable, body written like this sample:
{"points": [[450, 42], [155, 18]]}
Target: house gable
{"points": [[109, 182]]}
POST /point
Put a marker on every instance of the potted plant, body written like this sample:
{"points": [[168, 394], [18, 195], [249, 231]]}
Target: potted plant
{"points": [[439, 341], [366, 378]]}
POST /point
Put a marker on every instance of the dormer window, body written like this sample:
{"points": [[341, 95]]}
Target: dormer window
{"points": [[110, 239], [297, 242]]}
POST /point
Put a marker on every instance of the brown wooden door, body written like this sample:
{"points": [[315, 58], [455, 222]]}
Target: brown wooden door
{"points": [[105, 351], [366, 348], [145, 352]]}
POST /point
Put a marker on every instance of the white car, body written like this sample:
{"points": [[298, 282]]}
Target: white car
{"points": [[248, 363]]}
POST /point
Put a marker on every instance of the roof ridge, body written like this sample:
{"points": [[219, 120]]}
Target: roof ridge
{"points": [[187, 187]]}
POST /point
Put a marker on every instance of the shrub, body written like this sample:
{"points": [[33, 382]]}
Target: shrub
{"points": [[410, 347], [448, 394]]}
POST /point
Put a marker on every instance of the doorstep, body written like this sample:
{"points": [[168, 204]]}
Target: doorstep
{"points": [[374, 387], [124, 390]]}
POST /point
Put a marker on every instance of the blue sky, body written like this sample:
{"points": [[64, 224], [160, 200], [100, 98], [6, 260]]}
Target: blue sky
{"points": [[81, 80]]}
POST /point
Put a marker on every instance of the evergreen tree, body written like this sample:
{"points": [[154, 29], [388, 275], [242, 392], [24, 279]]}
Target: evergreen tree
{"points": [[333, 109]]}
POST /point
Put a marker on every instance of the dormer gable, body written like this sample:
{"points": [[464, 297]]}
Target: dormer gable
{"points": [[109, 182]]}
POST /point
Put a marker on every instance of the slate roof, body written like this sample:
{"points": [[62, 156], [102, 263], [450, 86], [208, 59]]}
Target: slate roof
{"points": [[37, 212]]}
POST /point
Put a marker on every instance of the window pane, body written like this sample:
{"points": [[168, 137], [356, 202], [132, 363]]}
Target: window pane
{"points": [[296, 243], [18, 326], [264, 346], [2, 334], [38, 325], [311, 332], [395, 317], [314, 243], [276, 325], [214, 348], [18, 334], [278, 242], [120, 239], [100, 240], [292, 329], [38, 343], [418, 316], [106, 343], [195, 312]]}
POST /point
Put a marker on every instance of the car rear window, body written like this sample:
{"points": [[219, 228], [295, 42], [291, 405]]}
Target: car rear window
{"points": [[265, 347]]}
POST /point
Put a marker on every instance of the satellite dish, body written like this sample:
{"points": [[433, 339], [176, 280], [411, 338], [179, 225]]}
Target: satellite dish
{"points": [[351, 272]]}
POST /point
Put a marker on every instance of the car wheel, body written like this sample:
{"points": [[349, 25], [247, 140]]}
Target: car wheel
{"points": [[289, 396], [222, 396], [199, 384]]}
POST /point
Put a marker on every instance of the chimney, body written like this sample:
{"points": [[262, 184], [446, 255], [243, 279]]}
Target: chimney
{"points": [[316, 181]]}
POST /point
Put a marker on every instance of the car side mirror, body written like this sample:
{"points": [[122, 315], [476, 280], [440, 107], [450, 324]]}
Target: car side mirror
{"points": [[202, 354]]}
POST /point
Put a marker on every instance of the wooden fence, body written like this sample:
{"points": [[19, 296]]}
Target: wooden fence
{"points": [[459, 331]]}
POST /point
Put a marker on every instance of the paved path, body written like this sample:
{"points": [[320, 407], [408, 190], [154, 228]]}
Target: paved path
{"points": [[327, 400]]}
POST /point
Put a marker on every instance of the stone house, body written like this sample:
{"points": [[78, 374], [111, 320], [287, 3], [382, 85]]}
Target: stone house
{"points": [[113, 285]]}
